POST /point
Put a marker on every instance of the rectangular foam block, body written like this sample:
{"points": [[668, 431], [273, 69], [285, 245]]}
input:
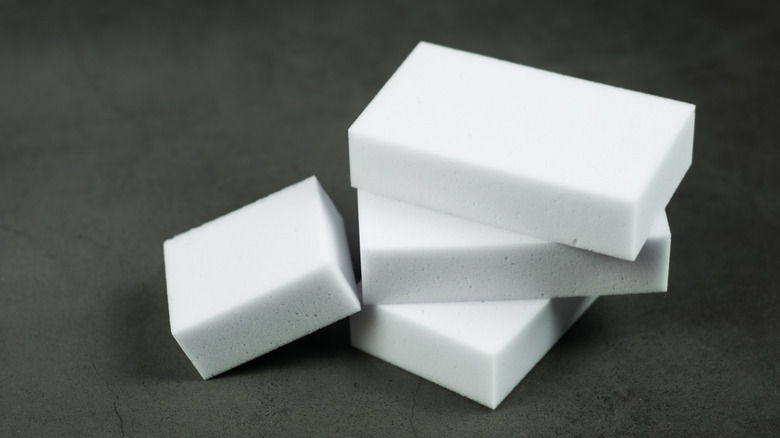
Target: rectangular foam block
{"points": [[538, 153], [480, 350], [411, 254], [259, 277]]}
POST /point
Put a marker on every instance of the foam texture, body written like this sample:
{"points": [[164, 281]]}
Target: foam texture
{"points": [[542, 154], [411, 254], [480, 350], [259, 277]]}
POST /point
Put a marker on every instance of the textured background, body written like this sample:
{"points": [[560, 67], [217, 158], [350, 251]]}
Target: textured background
{"points": [[125, 123]]}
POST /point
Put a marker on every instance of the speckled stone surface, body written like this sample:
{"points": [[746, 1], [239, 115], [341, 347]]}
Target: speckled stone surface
{"points": [[122, 125]]}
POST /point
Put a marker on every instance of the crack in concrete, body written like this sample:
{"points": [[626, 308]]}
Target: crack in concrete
{"points": [[18, 233], [116, 399], [121, 421], [91, 79], [414, 406], [31, 239]]}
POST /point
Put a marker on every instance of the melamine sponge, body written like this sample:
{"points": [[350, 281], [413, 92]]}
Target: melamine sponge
{"points": [[411, 254], [545, 155], [259, 277], [480, 350]]}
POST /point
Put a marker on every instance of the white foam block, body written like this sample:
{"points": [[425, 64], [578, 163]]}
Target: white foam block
{"points": [[259, 277], [480, 350], [538, 153], [411, 254]]}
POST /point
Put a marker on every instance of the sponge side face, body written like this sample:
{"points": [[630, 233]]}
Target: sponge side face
{"points": [[248, 282], [411, 254], [530, 345], [424, 351], [480, 350], [267, 322], [336, 240], [534, 152]]}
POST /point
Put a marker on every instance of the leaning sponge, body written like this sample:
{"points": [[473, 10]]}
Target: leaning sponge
{"points": [[258, 278], [544, 155], [480, 350]]}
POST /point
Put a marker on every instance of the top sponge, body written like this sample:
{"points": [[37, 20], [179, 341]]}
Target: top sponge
{"points": [[538, 153]]}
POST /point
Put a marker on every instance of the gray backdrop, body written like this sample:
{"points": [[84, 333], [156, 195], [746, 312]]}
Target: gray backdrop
{"points": [[125, 123]]}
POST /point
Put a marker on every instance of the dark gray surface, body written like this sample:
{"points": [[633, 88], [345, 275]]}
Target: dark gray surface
{"points": [[123, 124]]}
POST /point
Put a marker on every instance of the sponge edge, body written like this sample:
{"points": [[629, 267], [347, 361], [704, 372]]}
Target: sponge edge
{"points": [[411, 254], [258, 278], [541, 154], [480, 350]]}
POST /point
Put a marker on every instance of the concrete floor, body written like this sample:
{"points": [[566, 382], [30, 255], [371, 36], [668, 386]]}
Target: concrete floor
{"points": [[125, 123]]}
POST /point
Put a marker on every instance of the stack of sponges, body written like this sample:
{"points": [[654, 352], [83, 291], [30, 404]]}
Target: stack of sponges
{"points": [[496, 201]]}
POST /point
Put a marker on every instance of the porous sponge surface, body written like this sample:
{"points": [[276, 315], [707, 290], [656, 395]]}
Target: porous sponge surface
{"points": [[411, 254], [542, 154], [480, 350], [258, 278]]}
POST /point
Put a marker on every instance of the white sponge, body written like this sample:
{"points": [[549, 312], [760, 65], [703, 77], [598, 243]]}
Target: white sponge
{"points": [[538, 153], [411, 254], [480, 350], [258, 278]]}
